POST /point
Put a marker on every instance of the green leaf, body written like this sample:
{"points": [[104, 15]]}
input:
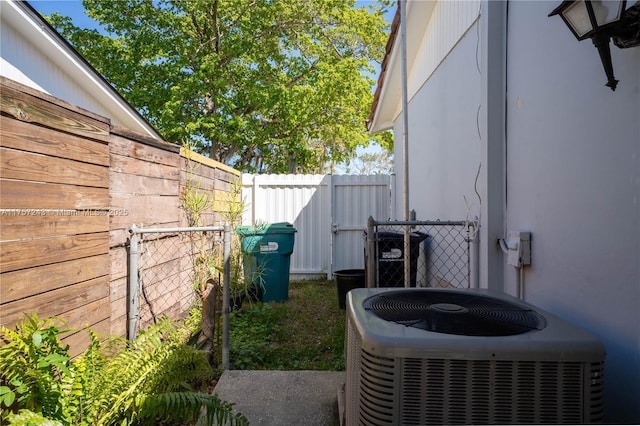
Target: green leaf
{"points": [[59, 361], [37, 339], [7, 396]]}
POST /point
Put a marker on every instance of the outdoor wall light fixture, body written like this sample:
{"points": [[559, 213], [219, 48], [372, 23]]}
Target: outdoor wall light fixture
{"points": [[602, 20]]}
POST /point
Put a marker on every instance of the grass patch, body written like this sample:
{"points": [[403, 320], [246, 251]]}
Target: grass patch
{"points": [[304, 333]]}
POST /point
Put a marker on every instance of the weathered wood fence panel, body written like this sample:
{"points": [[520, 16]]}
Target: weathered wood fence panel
{"points": [[223, 183], [54, 199], [71, 186], [144, 182]]}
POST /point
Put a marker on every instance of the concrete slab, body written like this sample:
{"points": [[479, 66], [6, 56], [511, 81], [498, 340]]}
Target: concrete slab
{"points": [[270, 398]]}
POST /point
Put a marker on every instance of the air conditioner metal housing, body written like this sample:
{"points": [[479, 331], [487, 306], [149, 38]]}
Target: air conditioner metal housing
{"points": [[400, 375]]}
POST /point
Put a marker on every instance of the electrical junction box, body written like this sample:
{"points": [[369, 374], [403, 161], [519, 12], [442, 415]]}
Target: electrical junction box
{"points": [[519, 248]]}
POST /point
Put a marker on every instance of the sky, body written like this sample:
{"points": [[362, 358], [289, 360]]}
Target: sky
{"points": [[75, 10], [71, 8]]}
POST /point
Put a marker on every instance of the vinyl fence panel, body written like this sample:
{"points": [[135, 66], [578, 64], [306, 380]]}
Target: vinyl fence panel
{"points": [[329, 212], [355, 199]]}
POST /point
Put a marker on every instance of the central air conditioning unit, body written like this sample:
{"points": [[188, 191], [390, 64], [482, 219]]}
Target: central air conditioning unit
{"points": [[419, 356]]}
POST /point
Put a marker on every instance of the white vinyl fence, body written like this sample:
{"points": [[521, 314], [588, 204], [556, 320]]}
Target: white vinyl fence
{"points": [[329, 212]]}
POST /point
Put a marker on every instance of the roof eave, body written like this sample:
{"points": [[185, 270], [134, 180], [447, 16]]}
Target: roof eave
{"points": [[87, 70], [371, 123]]}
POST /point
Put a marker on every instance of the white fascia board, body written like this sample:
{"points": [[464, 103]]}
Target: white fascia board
{"points": [[68, 61], [390, 101]]}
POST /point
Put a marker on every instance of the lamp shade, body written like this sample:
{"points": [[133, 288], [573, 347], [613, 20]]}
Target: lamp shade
{"points": [[587, 17]]}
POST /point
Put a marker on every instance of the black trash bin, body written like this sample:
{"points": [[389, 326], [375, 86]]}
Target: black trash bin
{"points": [[390, 257], [347, 280]]}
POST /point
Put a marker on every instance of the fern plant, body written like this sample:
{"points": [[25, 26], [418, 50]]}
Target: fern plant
{"points": [[147, 382], [33, 366]]}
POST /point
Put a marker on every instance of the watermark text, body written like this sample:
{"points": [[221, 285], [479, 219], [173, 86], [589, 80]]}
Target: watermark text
{"points": [[64, 212]]}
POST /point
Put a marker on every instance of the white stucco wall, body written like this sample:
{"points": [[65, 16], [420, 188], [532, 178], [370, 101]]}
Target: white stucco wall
{"points": [[27, 63], [444, 153], [572, 176], [573, 180]]}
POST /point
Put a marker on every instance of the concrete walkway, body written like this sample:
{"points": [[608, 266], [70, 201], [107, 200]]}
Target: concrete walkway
{"points": [[282, 398]]}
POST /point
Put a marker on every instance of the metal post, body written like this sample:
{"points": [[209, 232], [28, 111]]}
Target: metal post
{"points": [[371, 254], [407, 256], [474, 258], [334, 226], [392, 197], [132, 309], [405, 105], [225, 296], [405, 140]]}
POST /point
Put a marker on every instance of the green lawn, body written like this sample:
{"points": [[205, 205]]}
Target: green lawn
{"points": [[304, 333]]}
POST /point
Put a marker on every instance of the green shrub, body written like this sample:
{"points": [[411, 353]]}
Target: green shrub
{"points": [[144, 382]]}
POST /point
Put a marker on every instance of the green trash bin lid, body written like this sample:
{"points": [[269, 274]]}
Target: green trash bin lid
{"points": [[270, 228], [281, 227]]}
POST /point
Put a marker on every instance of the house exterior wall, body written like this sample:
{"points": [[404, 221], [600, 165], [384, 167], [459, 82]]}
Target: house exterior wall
{"points": [[26, 63], [571, 161], [448, 22], [444, 143], [573, 180]]}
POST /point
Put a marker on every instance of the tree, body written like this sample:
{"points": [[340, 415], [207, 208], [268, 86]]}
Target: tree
{"points": [[372, 163], [261, 85]]}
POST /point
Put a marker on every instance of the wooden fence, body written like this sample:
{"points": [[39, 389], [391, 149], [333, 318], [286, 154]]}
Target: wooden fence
{"points": [[71, 185]]}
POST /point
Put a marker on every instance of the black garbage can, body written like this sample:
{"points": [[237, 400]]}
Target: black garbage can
{"points": [[346, 280], [390, 257]]}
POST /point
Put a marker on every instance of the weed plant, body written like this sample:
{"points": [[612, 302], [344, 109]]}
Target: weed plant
{"points": [[304, 333]]}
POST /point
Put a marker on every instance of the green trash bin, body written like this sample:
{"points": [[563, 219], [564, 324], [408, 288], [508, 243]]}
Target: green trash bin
{"points": [[266, 258]]}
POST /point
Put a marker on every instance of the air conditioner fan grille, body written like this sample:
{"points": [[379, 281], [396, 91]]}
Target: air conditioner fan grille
{"points": [[454, 313]]}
